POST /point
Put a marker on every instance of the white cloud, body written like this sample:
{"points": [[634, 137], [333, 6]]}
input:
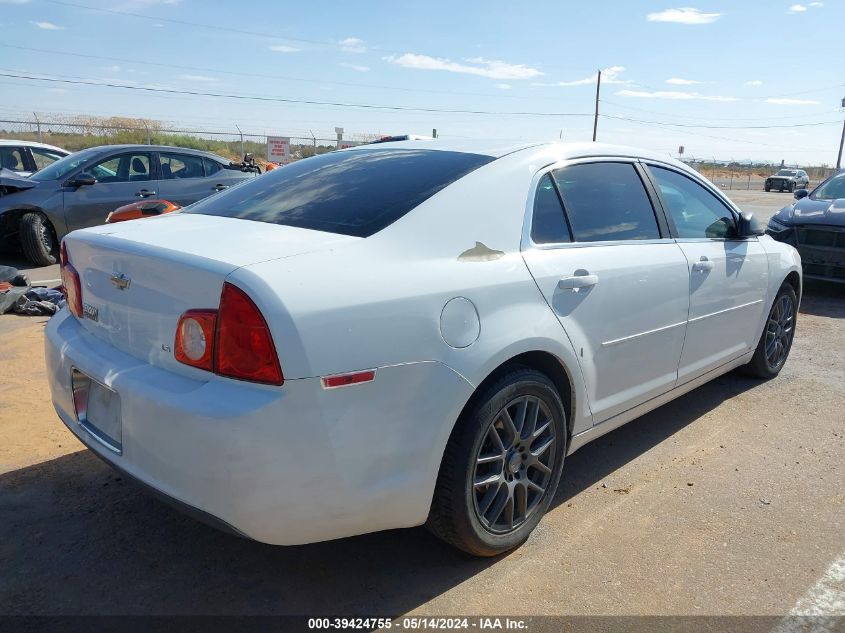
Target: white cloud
{"points": [[608, 76], [816, 4], [791, 101], [504, 86], [677, 81], [284, 48], [47, 26], [352, 45], [674, 95], [683, 16], [201, 78], [797, 8], [356, 67], [754, 82], [474, 66], [112, 69]]}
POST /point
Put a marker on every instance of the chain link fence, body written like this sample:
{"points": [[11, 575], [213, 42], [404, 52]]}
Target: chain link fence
{"points": [[76, 133], [751, 176]]}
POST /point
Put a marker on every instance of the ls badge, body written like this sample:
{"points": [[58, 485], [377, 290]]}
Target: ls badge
{"points": [[90, 312]]}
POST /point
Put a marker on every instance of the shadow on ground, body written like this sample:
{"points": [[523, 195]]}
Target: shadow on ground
{"points": [[823, 298], [77, 538]]}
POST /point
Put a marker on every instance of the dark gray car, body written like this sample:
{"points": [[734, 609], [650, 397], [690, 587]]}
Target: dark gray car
{"points": [[787, 180], [81, 189], [815, 225]]}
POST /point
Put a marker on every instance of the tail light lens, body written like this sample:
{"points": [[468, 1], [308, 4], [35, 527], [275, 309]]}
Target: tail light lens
{"points": [[71, 286], [195, 339], [233, 341], [244, 347]]}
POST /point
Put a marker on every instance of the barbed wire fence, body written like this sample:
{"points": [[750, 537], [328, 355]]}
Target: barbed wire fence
{"points": [[79, 132], [76, 133]]}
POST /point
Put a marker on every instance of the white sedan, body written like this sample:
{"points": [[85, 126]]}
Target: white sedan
{"points": [[407, 334]]}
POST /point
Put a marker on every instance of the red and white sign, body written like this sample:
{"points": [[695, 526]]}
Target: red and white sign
{"points": [[278, 149]]}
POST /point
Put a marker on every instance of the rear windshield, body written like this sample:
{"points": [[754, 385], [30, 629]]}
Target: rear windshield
{"points": [[355, 193]]}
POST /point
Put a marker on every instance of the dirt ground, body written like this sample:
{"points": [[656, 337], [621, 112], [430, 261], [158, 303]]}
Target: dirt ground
{"points": [[727, 501]]}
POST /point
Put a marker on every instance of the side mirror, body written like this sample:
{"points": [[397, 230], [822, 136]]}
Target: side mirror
{"points": [[249, 158], [801, 193], [81, 180], [748, 226]]}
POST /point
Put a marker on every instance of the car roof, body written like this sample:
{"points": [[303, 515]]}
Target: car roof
{"points": [[8, 142], [559, 150], [155, 148]]}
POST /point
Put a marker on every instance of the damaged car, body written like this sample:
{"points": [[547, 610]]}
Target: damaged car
{"points": [[80, 190], [815, 225], [787, 180]]}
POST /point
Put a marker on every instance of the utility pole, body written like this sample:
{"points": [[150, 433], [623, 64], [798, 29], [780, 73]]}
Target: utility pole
{"points": [[841, 141], [596, 117], [242, 140]]}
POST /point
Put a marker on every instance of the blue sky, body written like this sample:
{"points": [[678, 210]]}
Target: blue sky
{"points": [[727, 64]]}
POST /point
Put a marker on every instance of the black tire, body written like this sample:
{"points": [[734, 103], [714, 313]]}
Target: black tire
{"points": [[765, 364], [38, 240], [456, 515], [791, 187], [767, 188]]}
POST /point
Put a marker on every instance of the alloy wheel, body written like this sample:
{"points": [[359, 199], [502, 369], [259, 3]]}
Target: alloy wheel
{"points": [[514, 464], [779, 331]]}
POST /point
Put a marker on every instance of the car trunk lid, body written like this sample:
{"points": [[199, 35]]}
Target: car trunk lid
{"points": [[138, 277]]}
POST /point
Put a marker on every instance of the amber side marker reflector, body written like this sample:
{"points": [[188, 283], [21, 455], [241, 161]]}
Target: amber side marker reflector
{"points": [[345, 380]]}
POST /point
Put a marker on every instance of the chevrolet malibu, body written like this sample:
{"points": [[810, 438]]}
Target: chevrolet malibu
{"points": [[397, 335]]}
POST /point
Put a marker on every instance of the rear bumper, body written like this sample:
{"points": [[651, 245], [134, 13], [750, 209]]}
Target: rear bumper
{"points": [[282, 465]]}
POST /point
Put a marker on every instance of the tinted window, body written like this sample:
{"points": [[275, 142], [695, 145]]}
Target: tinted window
{"points": [[353, 193], [44, 157], [606, 201], [176, 166], [548, 224], [695, 211], [121, 168], [211, 166], [833, 189], [12, 158]]}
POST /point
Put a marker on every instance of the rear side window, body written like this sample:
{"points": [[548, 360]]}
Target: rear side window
{"points": [[178, 166], [548, 225], [606, 201], [352, 193]]}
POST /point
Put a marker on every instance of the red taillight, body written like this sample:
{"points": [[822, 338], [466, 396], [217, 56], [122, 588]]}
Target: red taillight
{"points": [[195, 339], [344, 380], [71, 286], [233, 341], [243, 346]]}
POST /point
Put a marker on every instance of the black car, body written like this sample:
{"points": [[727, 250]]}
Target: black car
{"points": [[815, 225], [81, 189], [788, 180]]}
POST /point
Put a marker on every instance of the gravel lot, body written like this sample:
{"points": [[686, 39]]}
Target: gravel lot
{"points": [[726, 501]]}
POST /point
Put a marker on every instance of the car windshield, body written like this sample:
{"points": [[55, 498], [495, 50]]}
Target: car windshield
{"points": [[64, 166], [786, 172], [357, 192], [833, 189]]}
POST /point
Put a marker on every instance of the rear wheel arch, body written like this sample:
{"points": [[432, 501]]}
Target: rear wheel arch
{"points": [[544, 362]]}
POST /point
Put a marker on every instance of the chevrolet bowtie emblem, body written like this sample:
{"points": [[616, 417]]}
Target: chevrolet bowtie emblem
{"points": [[120, 281]]}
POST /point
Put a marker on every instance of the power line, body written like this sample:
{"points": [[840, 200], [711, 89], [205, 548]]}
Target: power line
{"points": [[224, 95], [710, 118], [347, 84], [720, 127]]}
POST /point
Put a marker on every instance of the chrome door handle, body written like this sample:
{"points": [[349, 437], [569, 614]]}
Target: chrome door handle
{"points": [[220, 187], [578, 281], [703, 265], [145, 193]]}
